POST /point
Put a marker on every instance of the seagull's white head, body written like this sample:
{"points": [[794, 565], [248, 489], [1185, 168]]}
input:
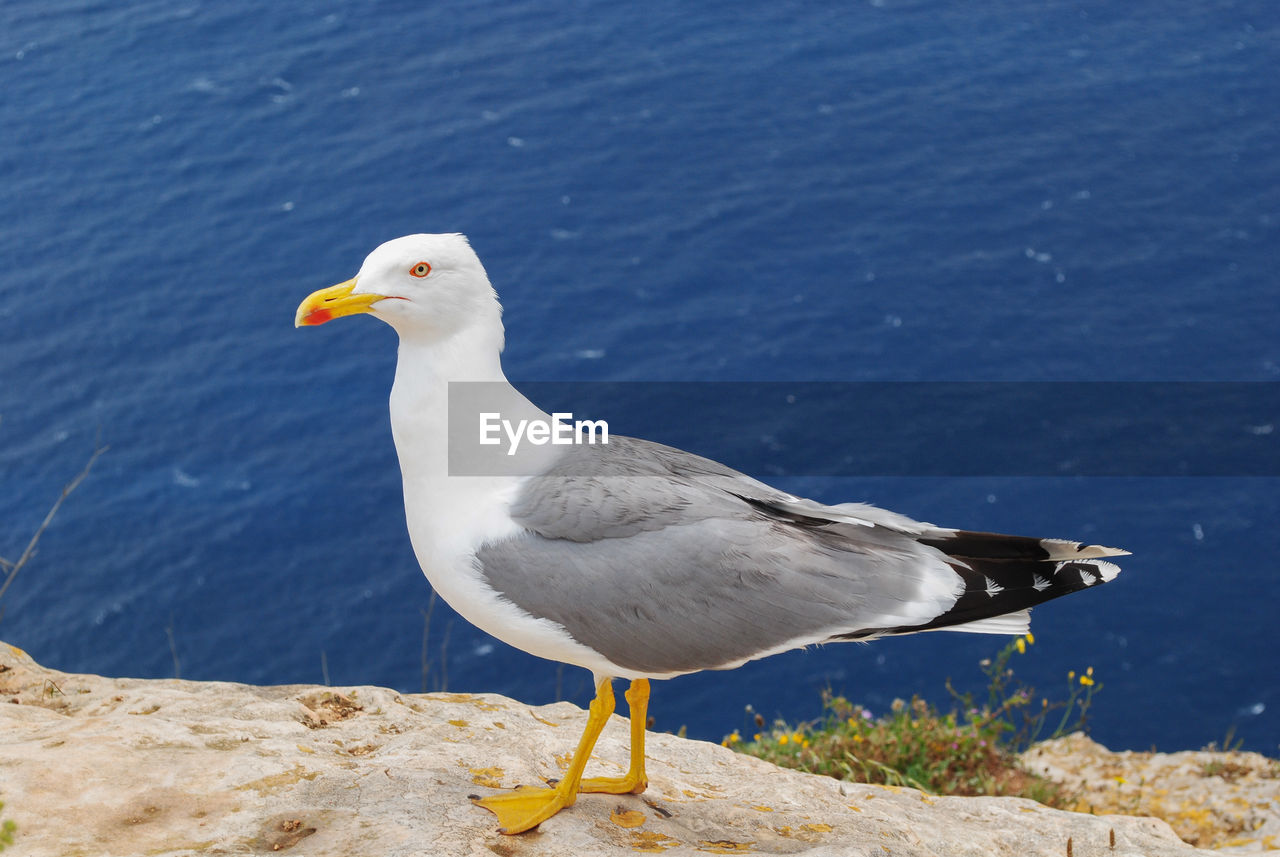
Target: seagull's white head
{"points": [[425, 286]]}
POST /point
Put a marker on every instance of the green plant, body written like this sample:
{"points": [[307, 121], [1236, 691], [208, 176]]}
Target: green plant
{"points": [[970, 750], [1010, 701], [7, 828]]}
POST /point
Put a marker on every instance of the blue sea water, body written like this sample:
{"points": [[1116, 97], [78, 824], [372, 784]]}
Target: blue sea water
{"points": [[899, 190]]}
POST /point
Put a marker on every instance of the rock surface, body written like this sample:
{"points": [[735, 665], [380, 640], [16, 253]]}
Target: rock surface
{"points": [[99, 766], [1226, 801]]}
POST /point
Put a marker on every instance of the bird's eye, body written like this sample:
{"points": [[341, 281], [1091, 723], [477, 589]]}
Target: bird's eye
{"points": [[420, 270]]}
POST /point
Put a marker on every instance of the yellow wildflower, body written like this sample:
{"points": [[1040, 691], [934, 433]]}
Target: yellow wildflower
{"points": [[1031, 639], [1021, 645], [1071, 675], [782, 739], [1087, 681]]}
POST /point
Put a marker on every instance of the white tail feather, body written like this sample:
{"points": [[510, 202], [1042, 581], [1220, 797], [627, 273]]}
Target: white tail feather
{"points": [[1009, 623]]}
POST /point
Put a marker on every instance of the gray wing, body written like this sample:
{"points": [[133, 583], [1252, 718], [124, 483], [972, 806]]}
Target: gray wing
{"points": [[666, 562], [583, 496]]}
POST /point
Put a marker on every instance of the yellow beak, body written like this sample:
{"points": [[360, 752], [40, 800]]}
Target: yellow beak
{"points": [[331, 303]]}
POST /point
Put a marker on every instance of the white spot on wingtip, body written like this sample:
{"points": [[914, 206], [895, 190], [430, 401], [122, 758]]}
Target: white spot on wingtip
{"points": [[992, 587], [1106, 570]]}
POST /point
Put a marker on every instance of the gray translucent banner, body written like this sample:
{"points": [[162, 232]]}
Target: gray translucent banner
{"points": [[885, 428]]}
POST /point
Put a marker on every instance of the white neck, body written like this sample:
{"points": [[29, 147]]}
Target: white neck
{"points": [[449, 513], [420, 394]]}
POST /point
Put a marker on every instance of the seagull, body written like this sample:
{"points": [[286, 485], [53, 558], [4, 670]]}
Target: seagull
{"points": [[636, 560]]}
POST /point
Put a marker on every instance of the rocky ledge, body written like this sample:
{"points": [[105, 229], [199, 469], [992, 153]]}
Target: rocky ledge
{"points": [[1229, 802], [101, 766]]}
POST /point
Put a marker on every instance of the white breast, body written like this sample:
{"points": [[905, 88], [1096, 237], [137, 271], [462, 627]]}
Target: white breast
{"points": [[450, 517]]}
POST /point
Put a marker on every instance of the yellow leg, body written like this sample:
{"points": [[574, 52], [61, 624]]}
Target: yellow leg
{"points": [[528, 806], [635, 780]]}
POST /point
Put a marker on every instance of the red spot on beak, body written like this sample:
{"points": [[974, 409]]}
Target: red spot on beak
{"points": [[319, 316]]}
